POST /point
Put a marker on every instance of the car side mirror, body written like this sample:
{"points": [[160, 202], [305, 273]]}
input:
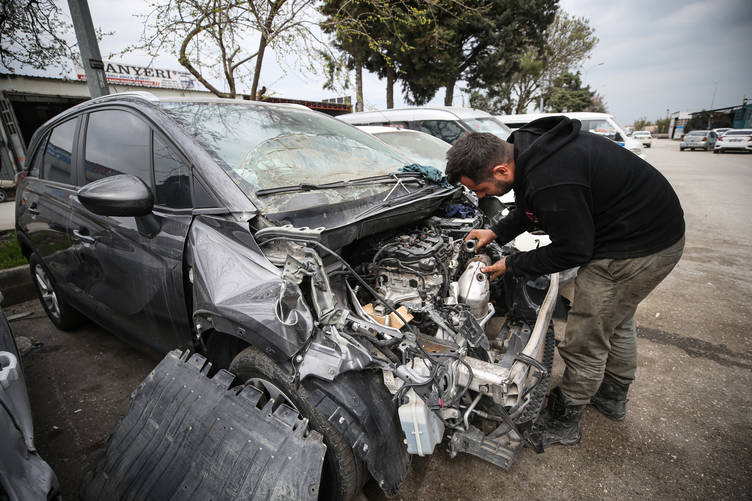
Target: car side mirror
{"points": [[122, 195]]}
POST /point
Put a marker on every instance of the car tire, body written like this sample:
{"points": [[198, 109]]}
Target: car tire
{"points": [[681, 149], [715, 150], [3, 196], [343, 473], [64, 316]]}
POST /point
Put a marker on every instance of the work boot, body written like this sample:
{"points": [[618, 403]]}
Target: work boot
{"points": [[611, 399], [559, 423]]}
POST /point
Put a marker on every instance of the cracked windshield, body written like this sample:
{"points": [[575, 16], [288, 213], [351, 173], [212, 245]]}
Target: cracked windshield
{"points": [[270, 147]]}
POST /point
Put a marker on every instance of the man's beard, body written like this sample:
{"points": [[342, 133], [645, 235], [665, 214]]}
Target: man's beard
{"points": [[502, 188]]}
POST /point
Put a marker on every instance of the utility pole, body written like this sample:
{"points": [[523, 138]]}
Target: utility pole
{"points": [[87, 43]]}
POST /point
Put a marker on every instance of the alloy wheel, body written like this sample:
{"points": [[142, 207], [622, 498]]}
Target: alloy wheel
{"points": [[47, 292]]}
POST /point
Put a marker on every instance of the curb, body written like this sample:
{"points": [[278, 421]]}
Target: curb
{"points": [[16, 285]]}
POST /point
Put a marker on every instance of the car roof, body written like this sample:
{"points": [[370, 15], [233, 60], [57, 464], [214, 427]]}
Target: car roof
{"points": [[414, 113], [380, 129]]}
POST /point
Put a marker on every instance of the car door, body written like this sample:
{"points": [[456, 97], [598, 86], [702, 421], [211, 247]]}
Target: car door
{"points": [[43, 208], [130, 269]]}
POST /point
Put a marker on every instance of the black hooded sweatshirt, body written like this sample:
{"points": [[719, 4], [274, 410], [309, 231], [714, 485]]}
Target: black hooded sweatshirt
{"points": [[594, 198]]}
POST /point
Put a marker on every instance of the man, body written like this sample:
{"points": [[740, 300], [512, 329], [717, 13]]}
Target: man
{"points": [[605, 210]]}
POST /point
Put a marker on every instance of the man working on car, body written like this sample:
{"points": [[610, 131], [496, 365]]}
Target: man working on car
{"points": [[605, 210]]}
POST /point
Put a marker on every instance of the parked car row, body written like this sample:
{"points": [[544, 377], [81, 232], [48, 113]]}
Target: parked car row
{"points": [[718, 140]]}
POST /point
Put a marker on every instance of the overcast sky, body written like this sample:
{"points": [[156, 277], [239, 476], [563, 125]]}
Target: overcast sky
{"points": [[656, 55]]}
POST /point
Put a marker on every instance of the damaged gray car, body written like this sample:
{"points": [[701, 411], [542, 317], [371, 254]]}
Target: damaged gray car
{"points": [[302, 255]]}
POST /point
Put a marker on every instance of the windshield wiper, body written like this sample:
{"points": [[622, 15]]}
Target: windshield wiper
{"points": [[386, 178]]}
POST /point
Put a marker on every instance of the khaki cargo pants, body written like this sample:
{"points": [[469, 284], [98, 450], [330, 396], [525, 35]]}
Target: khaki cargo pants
{"points": [[601, 337]]}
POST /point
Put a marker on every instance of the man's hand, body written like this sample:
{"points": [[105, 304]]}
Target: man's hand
{"points": [[484, 237], [497, 269]]}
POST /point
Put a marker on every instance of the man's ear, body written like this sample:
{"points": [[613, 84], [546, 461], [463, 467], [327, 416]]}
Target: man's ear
{"points": [[501, 171]]}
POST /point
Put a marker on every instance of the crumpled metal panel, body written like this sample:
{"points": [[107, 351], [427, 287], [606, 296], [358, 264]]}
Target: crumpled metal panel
{"points": [[189, 437], [236, 290]]}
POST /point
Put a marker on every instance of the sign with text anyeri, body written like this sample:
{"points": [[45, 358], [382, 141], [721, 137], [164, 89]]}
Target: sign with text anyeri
{"points": [[140, 76]]}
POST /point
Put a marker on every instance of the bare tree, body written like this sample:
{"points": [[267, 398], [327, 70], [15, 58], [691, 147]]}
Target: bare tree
{"points": [[33, 33], [209, 36]]}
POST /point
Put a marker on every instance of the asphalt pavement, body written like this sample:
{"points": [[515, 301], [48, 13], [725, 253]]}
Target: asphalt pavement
{"points": [[688, 431]]}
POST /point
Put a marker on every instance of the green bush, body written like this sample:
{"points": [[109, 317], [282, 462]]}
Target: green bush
{"points": [[10, 252]]}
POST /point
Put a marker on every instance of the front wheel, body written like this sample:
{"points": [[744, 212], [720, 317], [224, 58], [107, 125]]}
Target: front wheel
{"points": [[64, 317], [3, 196], [343, 473], [681, 149], [715, 151]]}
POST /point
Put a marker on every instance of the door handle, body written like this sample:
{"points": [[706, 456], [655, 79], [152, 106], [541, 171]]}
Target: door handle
{"points": [[33, 209], [83, 237]]}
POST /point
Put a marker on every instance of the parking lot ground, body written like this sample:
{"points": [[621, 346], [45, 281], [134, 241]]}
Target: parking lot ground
{"points": [[688, 432]]}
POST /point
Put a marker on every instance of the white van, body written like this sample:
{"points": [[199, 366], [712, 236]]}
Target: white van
{"points": [[445, 122], [597, 123]]}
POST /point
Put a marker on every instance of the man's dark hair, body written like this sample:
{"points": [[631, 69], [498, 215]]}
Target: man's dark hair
{"points": [[474, 154]]}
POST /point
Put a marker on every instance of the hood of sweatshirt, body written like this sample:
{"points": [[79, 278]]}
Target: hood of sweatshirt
{"points": [[536, 141]]}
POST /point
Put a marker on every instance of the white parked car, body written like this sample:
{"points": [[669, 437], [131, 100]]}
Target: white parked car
{"points": [[597, 123], [734, 140], [417, 146], [445, 122], [644, 137]]}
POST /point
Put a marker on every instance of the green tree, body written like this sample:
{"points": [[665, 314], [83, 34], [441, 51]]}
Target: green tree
{"points": [[661, 125], [566, 94], [568, 42], [476, 46], [598, 105], [209, 37], [640, 123]]}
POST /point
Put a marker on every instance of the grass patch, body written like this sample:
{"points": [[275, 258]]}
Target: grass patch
{"points": [[10, 252]]}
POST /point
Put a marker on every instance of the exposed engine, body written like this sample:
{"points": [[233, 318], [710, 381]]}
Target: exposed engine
{"points": [[416, 305]]}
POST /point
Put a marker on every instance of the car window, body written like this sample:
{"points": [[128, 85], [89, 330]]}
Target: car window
{"points": [[738, 133], [117, 142], [490, 125], [36, 165], [444, 129], [172, 182], [600, 127], [201, 197], [274, 146], [700, 133], [57, 155], [420, 148]]}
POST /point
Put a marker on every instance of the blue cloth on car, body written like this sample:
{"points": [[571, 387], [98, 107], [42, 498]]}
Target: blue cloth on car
{"points": [[461, 210], [431, 173]]}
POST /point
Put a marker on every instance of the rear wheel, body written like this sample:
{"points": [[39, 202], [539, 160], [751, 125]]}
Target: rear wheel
{"points": [[681, 149], [3, 196], [64, 317], [343, 474]]}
